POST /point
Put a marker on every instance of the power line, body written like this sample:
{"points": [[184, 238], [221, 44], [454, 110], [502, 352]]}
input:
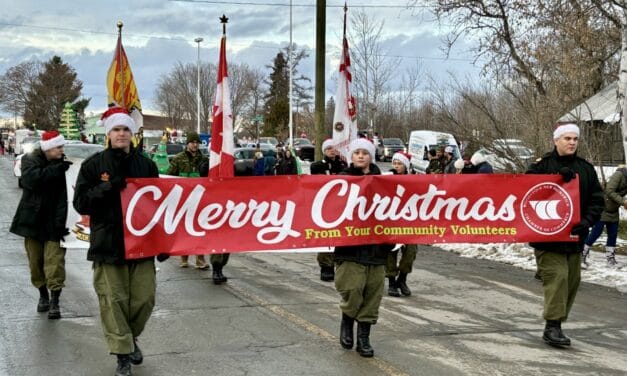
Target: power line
{"points": [[393, 6], [251, 45]]}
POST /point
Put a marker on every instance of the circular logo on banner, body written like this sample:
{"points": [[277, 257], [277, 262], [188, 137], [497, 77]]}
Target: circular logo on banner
{"points": [[339, 126], [546, 208]]}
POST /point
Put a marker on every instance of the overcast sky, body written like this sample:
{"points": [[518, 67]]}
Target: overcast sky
{"points": [[158, 33]]}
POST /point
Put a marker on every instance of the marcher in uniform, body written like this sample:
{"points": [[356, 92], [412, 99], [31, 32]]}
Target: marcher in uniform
{"points": [[559, 263]]}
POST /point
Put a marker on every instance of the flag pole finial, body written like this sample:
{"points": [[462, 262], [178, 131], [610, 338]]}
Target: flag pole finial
{"points": [[345, 7], [224, 20], [120, 25]]}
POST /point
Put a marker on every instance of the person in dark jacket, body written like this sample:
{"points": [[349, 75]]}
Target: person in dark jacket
{"points": [[360, 273], [125, 288], [615, 192], [287, 165], [189, 163], [396, 272], [259, 164], [331, 164], [40, 219], [559, 263], [480, 161]]}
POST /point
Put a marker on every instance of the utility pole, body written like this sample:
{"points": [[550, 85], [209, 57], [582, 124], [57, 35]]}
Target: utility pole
{"points": [[321, 20]]}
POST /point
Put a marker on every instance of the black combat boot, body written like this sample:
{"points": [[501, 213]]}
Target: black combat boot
{"points": [[217, 276], [401, 282], [136, 356], [44, 300], [55, 311], [124, 365], [346, 331], [553, 334], [363, 340], [393, 287], [327, 273]]}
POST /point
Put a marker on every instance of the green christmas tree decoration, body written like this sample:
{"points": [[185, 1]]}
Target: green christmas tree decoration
{"points": [[161, 157], [68, 126]]}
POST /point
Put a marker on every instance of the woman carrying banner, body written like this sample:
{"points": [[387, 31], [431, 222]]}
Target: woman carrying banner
{"points": [[360, 274], [396, 273]]}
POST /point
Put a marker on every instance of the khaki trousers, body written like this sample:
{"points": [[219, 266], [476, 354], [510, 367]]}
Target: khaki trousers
{"points": [[361, 289], [561, 275], [46, 261], [326, 259], [408, 255], [126, 294]]}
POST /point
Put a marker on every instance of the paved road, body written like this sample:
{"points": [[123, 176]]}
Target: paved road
{"points": [[275, 317]]}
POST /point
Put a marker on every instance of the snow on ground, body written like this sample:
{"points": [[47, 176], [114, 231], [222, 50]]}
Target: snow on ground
{"points": [[521, 255]]}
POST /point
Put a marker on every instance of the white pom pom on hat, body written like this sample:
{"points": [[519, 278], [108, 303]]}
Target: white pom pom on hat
{"points": [[362, 143], [50, 140], [115, 117], [459, 164], [565, 128]]}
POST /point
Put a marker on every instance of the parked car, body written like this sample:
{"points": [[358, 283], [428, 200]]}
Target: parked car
{"points": [[304, 149], [244, 160], [269, 140], [509, 155], [29, 144], [75, 151], [387, 148]]}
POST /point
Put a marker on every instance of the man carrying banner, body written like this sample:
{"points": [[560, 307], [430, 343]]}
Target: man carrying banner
{"points": [[189, 163], [40, 219], [360, 269], [126, 289], [559, 263], [331, 164]]}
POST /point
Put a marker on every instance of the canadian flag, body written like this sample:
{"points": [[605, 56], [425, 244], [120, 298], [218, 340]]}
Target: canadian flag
{"points": [[344, 118], [221, 151]]}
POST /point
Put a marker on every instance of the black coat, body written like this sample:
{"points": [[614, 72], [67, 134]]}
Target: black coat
{"points": [[328, 166], [590, 194], [101, 201], [42, 211], [366, 254]]}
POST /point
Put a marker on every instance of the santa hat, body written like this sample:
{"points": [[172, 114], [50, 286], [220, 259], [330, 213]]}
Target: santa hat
{"points": [[565, 128], [115, 117], [362, 143], [402, 157], [328, 143], [478, 158], [50, 140]]}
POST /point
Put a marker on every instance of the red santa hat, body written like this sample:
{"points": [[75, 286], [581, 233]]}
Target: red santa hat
{"points": [[402, 157], [565, 128], [115, 117], [362, 143], [50, 140], [328, 143]]}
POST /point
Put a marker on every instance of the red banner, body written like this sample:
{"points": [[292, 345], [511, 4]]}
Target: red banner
{"points": [[204, 215]]}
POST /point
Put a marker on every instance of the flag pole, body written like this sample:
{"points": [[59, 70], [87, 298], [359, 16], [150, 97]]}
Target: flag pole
{"points": [[120, 65], [289, 60]]}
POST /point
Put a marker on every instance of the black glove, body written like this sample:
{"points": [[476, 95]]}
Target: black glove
{"points": [[580, 229], [118, 182], [567, 174], [66, 165], [62, 233], [161, 257]]}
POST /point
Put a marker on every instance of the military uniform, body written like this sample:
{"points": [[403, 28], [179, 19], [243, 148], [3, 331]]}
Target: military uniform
{"points": [[559, 262], [125, 288], [188, 164], [327, 166], [40, 219]]}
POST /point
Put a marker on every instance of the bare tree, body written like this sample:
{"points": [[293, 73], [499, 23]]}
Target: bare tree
{"points": [[16, 83], [373, 70]]}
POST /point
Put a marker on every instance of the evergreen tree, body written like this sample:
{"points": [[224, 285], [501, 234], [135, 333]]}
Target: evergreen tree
{"points": [[55, 85], [69, 125], [276, 106]]}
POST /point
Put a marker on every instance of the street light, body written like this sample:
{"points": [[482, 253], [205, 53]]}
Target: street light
{"points": [[198, 40]]}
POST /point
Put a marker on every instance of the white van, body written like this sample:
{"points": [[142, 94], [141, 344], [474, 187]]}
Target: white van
{"points": [[420, 142]]}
